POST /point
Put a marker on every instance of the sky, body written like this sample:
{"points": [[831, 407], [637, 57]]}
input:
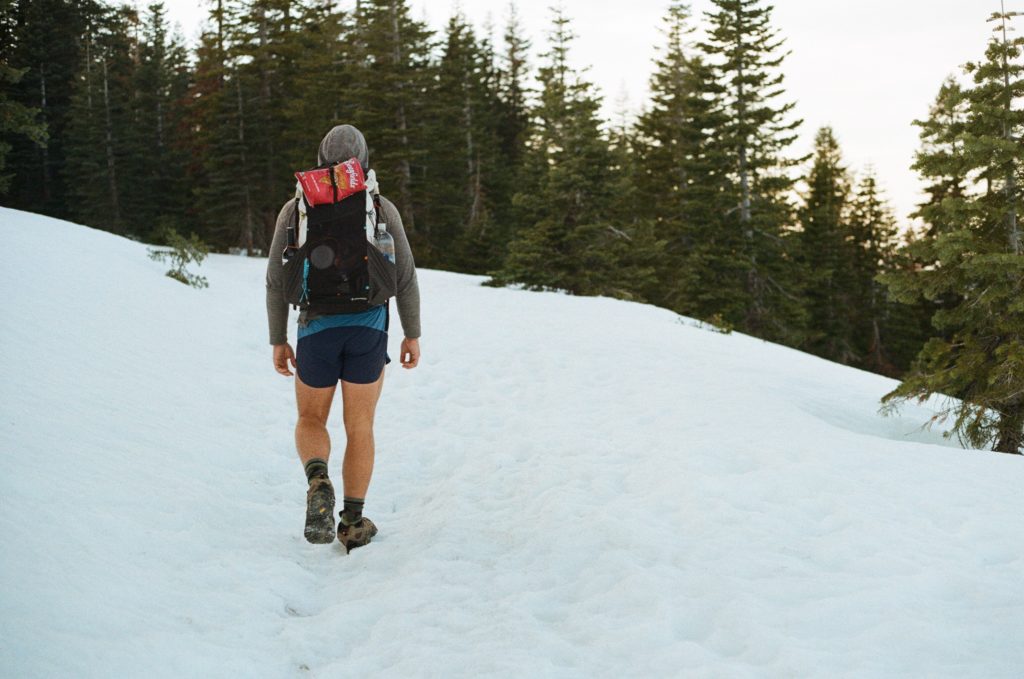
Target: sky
{"points": [[868, 68]]}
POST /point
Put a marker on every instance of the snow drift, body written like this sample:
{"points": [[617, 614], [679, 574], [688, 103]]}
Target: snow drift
{"points": [[565, 486]]}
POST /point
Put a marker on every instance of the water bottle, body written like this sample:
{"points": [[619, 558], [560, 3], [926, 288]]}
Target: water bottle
{"points": [[386, 244]]}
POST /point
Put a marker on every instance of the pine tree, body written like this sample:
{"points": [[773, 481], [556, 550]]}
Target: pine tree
{"points": [[513, 132], [827, 256], [679, 174], [266, 55], [321, 53], [942, 160], [457, 106], [639, 249], [463, 162], [157, 197], [222, 173], [391, 76], [44, 41], [8, 29], [754, 136], [975, 244], [569, 243], [15, 119], [482, 243], [98, 139], [944, 166], [884, 334]]}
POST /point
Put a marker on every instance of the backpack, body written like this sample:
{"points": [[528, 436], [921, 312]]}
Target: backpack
{"points": [[339, 257]]}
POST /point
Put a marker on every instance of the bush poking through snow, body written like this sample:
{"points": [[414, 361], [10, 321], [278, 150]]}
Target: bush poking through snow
{"points": [[715, 324], [183, 251]]}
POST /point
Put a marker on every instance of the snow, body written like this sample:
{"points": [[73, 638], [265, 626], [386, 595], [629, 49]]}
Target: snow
{"points": [[564, 487]]}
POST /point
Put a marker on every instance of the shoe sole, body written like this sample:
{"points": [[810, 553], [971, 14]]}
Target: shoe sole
{"points": [[319, 520]]}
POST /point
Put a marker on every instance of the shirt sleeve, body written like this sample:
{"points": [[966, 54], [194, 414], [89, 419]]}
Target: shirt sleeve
{"points": [[277, 305], [408, 297]]}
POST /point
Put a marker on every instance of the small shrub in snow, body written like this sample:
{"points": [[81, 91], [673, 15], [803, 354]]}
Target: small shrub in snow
{"points": [[719, 324], [715, 324], [183, 251]]}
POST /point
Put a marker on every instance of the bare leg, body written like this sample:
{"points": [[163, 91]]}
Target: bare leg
{"points": [[360, 403], [311, 437]]}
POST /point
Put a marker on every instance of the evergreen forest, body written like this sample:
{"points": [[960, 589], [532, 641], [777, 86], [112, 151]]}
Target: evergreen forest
{"points": [[492, 145]]}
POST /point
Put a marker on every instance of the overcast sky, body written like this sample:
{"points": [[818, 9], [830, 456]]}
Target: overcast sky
{"points": [[866, 67]]}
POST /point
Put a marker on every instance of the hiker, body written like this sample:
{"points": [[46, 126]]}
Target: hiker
{"points": [[340, 340]]}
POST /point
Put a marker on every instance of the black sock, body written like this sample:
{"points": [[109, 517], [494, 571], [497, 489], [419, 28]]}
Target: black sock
{"points": [[316, 467], [353, 510]]}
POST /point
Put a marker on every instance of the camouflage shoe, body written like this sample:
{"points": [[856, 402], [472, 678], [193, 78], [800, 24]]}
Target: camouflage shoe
{"points": [[356, 534], [320, 511]]}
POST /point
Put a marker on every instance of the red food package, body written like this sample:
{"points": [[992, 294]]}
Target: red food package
{"points": [[319, 190]]}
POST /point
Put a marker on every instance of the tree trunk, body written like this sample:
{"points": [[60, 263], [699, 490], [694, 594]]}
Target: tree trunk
{"points": [[160, 125], [1011, 430], [479, 224], [111, 166], [247, 230], [405, 170], [45, 150], [405, 174], [1010, 189], [220, 38], [472, 173], [88, 72], [741, 110], [754, 284], [266, 117]]}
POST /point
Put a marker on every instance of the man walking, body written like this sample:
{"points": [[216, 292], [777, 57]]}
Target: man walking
{"points": [[350, 347]]}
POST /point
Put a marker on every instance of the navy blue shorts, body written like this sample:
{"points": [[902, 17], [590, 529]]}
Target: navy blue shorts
{"points": [[352, 353]]}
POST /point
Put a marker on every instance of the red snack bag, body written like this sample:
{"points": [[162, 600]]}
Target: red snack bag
{"points": [[320, 190]]}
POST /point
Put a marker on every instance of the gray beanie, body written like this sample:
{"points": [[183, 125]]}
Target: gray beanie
{"points": [[340, 144]]}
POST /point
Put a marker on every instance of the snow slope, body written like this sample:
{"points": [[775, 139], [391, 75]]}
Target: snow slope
{"points": [[565, 487]]}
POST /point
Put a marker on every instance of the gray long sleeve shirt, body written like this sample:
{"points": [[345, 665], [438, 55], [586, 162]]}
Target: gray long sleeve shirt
{"points": [[408, 296]]}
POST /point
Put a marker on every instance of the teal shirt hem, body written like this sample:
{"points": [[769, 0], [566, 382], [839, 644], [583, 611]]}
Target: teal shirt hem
{"points": [[374, 318]]}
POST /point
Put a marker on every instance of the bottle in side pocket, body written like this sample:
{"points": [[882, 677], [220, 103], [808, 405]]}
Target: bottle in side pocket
{"points": [[386, 243]]}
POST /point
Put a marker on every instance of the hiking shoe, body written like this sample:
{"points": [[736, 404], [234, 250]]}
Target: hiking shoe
{"points": [[320, 511], [356, 534]]}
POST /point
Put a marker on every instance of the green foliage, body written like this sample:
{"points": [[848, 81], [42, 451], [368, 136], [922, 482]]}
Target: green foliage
{"points": [[752, 137], [720, 324], [182, 252], [973, 264], [323, 62], [98, 135], [392, 76], [513, 118], [15, 119], [42, 40], [570, 184], [690, 208], [681, 175], [715, 324], [223, 178], [465, 168], [827, 253], [885, 334], [155, 184], [848, 238], [126, 143], [265, 55]]}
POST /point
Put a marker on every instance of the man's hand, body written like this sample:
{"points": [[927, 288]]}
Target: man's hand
{"points": [[410, 354], [283, 354]]}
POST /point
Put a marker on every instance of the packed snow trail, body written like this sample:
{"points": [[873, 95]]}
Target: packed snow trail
{"points": [[565, 487]]}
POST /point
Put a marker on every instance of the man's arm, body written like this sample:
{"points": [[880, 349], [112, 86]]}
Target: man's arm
{"points": [[277, 305], [408, 296]]}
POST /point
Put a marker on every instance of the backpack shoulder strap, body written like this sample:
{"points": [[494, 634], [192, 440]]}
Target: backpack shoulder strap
{"points": [[377, 209]]}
